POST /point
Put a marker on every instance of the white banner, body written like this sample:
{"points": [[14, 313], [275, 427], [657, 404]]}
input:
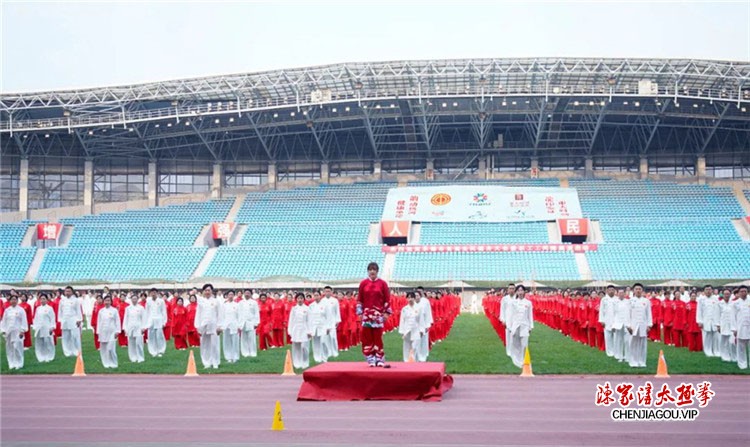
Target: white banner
{"points": [[481, 203]]}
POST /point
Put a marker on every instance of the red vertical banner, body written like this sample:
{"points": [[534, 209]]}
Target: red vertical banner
{"points": [[573, 227], [48, 231], [222, 230]]}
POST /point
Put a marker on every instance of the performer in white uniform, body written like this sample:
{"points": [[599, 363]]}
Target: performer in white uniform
{"points": [[707, 317], [506, 310], [424, 306], [134, 325], [230, 326], [300, 332], [70, 316], [741, 326], [640, 322], [44, 328], [107, 327], [410, 327], [249, 320], [207, 318], [14, 324], [619, 326], [521, 323], [606, 309], [156, 319], [319, 327]]}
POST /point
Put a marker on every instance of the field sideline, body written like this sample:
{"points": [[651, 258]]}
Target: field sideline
{"points": [[471, 348]]}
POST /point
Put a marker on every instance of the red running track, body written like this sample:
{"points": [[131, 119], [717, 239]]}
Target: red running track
{"points": [[233, 410]]}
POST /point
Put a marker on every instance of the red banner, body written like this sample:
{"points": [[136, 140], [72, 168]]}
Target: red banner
{"points": [[573, 227], [222, 230], [394, 228], [48, 231], [548, 248]]}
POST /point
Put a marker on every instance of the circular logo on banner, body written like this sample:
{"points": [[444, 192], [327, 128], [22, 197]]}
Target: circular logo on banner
{"points": [[440, 199]]}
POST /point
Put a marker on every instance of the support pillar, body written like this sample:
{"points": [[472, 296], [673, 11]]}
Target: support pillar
{"points": [[325, 172], [700, 170], [272, 175], [482, 168], [490, 167], [217, 184], [429, 171], [588, 168], [23, 188], [88, 186], [377, 170], [153, 184], [643, 168]]}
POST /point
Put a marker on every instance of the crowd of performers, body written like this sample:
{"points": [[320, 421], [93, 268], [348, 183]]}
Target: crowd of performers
{"points": [[239, 323], [619, 321]]}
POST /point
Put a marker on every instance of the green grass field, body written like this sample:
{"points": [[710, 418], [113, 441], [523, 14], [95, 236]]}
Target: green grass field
{"points": [[472, 348]]}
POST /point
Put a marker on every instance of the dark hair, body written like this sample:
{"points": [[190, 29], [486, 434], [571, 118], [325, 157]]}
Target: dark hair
{"points": [[373, 265], [410, 295], [179, 298], [299, 294], [707, 286], [327, 288], [153, 289], [69, 287], [520, 287], [611, 286], [638, 285], [207, 286], [742, 287], [511, 285], [107, 297], [43, 295]]}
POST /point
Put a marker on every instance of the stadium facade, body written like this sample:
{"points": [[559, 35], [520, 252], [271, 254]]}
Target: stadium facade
{"points": [[443, 119]]}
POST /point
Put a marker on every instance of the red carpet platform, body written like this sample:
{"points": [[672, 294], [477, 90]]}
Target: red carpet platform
{"points": [[357, 381]]}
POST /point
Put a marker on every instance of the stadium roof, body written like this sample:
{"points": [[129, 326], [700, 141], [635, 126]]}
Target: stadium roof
{"points": [[403, 109]]}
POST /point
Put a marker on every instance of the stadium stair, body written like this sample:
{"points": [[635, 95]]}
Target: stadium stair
{"points": [[584, 270], [36, 263], [742, 198], [238, 201], [389, 262], [200, 271]]}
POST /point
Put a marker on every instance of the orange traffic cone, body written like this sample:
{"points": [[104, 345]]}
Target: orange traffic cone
{"points": [[288, 368], [278, 421], [526, 371], [191, 371], [411, 357], [79, 372], [661, 369]]}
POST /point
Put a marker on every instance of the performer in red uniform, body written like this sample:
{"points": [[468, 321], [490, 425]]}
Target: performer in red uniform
{"points": [[654, 334], [179, 324], [24, 304], [288, 306], [277, 321], [667, 317], [99, 304], [193, 338], [693, 337], [679, 323], [373, 304], [122, 337], [264, 328]]}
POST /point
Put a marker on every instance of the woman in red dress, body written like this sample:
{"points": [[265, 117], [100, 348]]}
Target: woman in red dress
{"points": [[95, 318], [193, 338], [24, 304], [179, 325]]}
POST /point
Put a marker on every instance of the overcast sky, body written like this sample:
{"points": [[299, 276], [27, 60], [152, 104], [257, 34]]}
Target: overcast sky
{"points": [[59, 45]]}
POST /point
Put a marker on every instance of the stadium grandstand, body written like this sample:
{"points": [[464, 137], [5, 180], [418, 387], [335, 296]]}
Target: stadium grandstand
{"points": [[285, 176]]}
